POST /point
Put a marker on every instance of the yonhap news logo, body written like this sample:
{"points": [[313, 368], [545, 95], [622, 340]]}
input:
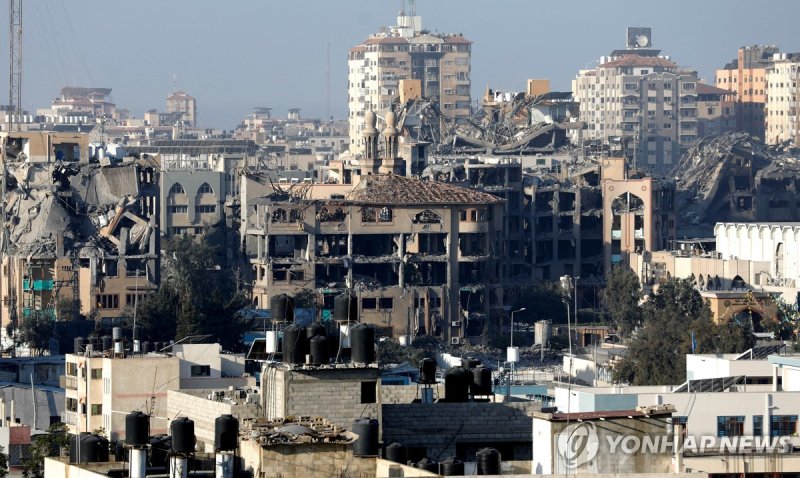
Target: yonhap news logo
{"points": [[578, 444]]}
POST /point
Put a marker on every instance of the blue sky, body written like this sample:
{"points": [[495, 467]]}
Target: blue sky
{"points": [[233, 55]]}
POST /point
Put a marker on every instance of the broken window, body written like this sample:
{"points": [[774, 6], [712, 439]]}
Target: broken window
{"points": [[472, 244], [369, 303], [374, 245], [334, 215], [331, 245], [288, 245], [107, 301], [279, 215], [427, 217]]}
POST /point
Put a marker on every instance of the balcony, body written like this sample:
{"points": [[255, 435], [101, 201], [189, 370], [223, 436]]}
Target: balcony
{"points": [[27, 284], [68, 382]]}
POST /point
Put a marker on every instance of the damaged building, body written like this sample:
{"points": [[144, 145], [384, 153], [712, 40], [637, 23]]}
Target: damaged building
{"points": [[736, 178], [81, 238], [423, 256]]}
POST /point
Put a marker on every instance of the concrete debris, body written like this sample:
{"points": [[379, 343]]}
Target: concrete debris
{"points": [[289, 431], [517, 126], [719, 178]]}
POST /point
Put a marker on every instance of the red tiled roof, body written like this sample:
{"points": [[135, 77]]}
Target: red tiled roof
{"points": [[636, 60], [456, 39], [394, 189], [373, 41]]}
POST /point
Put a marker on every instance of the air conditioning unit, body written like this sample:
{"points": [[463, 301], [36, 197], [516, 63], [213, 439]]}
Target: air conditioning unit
{"points": [[455, 340]]}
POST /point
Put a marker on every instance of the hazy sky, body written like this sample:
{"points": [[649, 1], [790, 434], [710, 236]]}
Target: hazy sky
{"points": [[233, 55]]}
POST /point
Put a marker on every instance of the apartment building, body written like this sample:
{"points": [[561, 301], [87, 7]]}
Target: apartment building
{"points": [[716, 110], [746, 77], [82, 237], [640, 99], [198, 177], [180, 102], [441, 62], [782, 83]]}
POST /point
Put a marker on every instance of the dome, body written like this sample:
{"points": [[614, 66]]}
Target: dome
{"points": [[391, 124], [370, 120]]}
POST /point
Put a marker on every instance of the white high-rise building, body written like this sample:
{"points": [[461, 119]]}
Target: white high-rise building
{"points": [[640, 100], [441, 63], [782, 89]]}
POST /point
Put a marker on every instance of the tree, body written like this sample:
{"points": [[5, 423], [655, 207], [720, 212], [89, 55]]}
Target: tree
{"points": [[621, 299], [3, 463], [42, 446], [36, 330], [196, 297], [541, 302], [676, 322]]}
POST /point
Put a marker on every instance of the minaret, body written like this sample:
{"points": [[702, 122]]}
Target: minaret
{"points": [[391, 163], [370, 162]]}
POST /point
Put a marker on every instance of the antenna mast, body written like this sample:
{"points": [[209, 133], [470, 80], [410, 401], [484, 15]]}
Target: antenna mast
{"points": [[15, 62]]}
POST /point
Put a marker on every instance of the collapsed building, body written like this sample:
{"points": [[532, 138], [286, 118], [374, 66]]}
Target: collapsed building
{"points": [[423, 256], [80, 233], [736, 178], [507, 124]]}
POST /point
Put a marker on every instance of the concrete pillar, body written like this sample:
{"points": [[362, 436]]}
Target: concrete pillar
{"points": [[775, 378], [401, 252]]}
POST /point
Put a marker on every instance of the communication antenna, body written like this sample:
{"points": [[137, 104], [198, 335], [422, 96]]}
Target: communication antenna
{"points": [[14, 61], [174, 83], [413, 5]]}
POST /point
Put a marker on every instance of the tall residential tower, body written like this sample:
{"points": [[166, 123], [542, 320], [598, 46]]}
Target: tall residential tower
{"points": [[441, 62]]}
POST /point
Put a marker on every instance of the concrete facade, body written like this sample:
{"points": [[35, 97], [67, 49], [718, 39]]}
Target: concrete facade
{"points": [[461, 429], [441, 63], [782, 83], [648, 101], [746, 76], [339, 395]]}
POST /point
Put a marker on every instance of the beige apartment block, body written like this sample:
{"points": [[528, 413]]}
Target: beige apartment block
{"points": [[441, 62], [746, 77], [647, 102]]}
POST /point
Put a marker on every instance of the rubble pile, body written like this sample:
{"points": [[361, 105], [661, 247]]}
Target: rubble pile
{"points": [[500, 128], [717, 179], [291, 430]]}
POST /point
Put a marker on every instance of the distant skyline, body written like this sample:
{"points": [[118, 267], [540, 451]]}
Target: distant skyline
{"points": [[233, 56]]}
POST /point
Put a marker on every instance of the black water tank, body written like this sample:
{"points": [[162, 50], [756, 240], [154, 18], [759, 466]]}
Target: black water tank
{"points": [[136, 333], [481, 381], [367, 431], [94, 341], [428, 465], [362, 343], [316, 329], [88, 448], [451, 467], [295, 345], [226, 433], [488, 461], [320, 350], [345, 308], [120, 453], [427, 371], [147, 347], [396, 452], [106, 342], [456, 385], [79, 345], [183, 439], [470, 363], [281, 307], [137, 429], [160, 448], [157, 346]]}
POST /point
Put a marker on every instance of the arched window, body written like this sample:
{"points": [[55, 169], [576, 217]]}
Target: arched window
{"points": [[279, 215], [205, 188], [177, 189], [737, 283]]}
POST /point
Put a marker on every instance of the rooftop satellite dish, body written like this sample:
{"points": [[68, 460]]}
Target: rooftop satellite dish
{"points": [[642, 41]]}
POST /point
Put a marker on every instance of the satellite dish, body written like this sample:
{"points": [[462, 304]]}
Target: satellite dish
{"points": [[642, 41]]}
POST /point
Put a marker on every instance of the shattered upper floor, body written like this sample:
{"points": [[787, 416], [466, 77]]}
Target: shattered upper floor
{"points": [[66, 205], [524, 125], [736, 177]]}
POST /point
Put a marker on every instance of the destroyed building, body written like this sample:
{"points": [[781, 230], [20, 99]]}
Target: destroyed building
{"points": [[424, 256], [736, 178], [81, 237]]}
